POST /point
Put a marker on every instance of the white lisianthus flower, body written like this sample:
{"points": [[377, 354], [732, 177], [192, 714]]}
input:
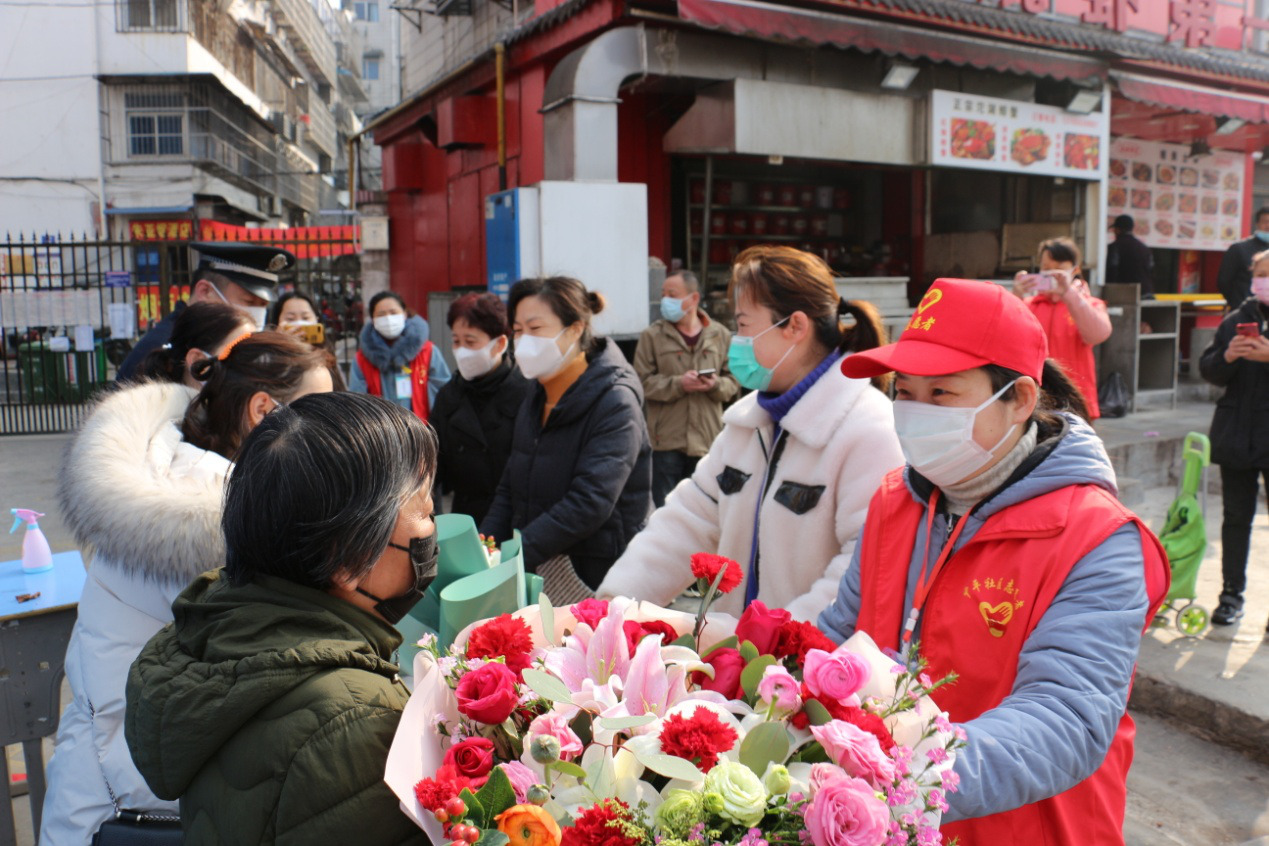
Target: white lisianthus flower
{"points": [[744, 797]]}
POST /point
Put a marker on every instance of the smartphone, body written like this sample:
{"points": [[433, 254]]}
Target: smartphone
{"points": [[1041, 282], [310, 333], [1248, 330], [710, 371]]}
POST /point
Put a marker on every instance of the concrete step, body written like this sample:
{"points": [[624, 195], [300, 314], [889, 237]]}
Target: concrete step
{"points": [[1131, 492]]}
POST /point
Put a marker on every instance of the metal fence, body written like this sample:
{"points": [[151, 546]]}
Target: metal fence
{"points": [[71, 309]]}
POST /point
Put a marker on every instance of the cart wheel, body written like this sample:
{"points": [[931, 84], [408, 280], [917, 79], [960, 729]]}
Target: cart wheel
{"points": [[1192, 620]]}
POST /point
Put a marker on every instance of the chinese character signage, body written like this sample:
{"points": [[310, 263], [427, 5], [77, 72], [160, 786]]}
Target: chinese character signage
{"points": [[988, 133], [161, 230], [1177, 200]]}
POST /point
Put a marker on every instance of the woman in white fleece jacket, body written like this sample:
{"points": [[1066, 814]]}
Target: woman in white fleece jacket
{"points": [[785, 486]]}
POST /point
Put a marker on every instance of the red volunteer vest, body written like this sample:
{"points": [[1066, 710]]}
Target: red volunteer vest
{"points": [[418, 379], [1066, 345], [980, 611]]}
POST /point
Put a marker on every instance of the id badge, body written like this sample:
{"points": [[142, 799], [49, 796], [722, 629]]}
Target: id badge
{"points": [[405, 387]]}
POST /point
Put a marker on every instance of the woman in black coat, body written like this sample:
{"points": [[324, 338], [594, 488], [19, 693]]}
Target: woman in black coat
{"points": [[475, 411], [579, 480], [1240, 430]]}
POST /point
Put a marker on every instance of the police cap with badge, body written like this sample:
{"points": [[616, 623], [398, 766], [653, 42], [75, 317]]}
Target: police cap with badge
{"points": [[254, 267]]}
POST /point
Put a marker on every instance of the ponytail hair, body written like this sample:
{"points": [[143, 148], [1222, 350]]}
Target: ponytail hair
{"points": [[784, 280], [1057, 393], [567, 298], [273, 362], [199, 326]]}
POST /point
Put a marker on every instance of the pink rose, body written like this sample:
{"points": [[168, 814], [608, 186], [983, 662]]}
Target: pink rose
{"points": [[856, 751], [728, 665], [760, 626], [779, 690], [822, 774], [590, 611], [837, 675], [487, 694], [847, 812], [554, 725], [521, 778]]}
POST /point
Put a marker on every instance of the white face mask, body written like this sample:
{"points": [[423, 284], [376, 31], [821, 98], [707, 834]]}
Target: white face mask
{"points": [[258, 314], [938, 441], [390, 326], [540, 358], [476, 363]]}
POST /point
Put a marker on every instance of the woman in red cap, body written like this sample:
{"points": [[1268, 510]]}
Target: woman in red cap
{"points": [[1001, 547]]}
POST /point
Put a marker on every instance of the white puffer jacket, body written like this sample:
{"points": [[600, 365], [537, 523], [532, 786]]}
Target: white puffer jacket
{"points": [[149, 506], [840, 443]]}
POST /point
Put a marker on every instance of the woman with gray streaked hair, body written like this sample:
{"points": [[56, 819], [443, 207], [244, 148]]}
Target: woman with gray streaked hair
{"points": [[269, 706]]}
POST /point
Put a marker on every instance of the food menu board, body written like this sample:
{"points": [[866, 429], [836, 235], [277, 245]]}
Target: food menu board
{"points": [[988, 133], [1177, 200]]}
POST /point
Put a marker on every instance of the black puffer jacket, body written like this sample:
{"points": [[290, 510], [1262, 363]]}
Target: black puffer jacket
{"points": [[1240, 426], [580, 485], [474, 422]]}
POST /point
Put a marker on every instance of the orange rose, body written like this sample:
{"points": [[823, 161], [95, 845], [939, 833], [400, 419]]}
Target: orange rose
{"points": [[529, 825]]}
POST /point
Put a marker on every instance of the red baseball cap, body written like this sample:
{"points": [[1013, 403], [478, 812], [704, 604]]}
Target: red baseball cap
{"points": [[960, 324]]}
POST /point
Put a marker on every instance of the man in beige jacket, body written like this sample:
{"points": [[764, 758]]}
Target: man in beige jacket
{"points": [[682, 362]]}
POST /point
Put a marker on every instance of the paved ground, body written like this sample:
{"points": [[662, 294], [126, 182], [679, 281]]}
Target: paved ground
{"points": [[1184, 789]]}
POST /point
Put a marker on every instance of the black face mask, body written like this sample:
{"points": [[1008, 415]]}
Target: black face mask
{"points": [[423, 555]]}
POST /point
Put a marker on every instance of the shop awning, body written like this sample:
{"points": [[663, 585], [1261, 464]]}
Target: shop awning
{"points": [[1192, 98], [788, 23]]}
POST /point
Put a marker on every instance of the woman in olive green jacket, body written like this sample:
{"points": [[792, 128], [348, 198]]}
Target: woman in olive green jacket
{"points": [[269, 705]]}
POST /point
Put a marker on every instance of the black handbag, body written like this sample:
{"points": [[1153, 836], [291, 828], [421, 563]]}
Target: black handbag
{"points": [[135, 828]]}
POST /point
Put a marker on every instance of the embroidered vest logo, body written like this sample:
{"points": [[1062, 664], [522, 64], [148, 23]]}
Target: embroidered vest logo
{"points": [[996, 610]]}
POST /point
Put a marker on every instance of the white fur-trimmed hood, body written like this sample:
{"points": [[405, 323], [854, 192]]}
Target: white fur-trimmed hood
{"points": [[143, 499]]}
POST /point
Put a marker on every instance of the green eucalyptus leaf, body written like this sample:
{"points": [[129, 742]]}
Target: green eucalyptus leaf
{"points": [[547, 686], [765, 743], [729, 642], [490, 836], [547, 611], [670, 766], [685, 640], [619, 723], [752, 675], [817, 713], [748, 651], [570, 769]]}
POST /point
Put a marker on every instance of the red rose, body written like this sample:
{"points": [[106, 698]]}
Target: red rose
{"points": [[728, 666], [472, 759], [796, 638], [488, 694], [636, 632], [590, 611], [504, 637], [760, 626], [706, 566]]}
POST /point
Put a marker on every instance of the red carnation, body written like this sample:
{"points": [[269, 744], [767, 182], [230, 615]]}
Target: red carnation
{"points": [[503, 637], [433, 793], [706, 566], [700, 739], [636, 632], [601, 824], [796, 638]]}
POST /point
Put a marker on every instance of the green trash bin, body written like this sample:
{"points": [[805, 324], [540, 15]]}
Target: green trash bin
{"points": [[52, 377]]}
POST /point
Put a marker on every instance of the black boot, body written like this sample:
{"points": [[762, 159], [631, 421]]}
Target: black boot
{"points": [[1229, 611]]}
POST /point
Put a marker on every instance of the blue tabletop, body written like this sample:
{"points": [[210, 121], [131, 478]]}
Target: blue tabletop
{"points": [[58, 588]]}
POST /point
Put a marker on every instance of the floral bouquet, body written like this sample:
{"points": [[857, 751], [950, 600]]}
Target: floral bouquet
{"points": [[624, 724]]}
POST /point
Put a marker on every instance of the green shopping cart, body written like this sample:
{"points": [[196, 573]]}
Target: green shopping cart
{"points": [[1184, 538]]}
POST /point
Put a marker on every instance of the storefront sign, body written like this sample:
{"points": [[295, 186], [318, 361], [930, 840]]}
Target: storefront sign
{"points": [[988, 133], [161, 230], [1177, 200]]}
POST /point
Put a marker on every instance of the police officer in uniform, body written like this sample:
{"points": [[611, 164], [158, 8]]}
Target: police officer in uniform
{"points": [[241, 275]]}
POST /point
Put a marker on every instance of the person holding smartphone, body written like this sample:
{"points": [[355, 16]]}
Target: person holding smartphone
{"points": [[681, 360], [1238, 361], [1074, 320]]}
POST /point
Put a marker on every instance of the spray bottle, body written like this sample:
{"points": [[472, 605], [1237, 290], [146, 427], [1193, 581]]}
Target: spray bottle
{"points": [[36, 555]]}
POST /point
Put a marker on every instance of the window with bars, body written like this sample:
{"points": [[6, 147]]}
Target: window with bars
{"points": [[156, 134], [151, 15]]}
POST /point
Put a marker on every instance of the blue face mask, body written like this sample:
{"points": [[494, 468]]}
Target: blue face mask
{"points": [[672, 309], [744, 364], [1262, 235]]}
